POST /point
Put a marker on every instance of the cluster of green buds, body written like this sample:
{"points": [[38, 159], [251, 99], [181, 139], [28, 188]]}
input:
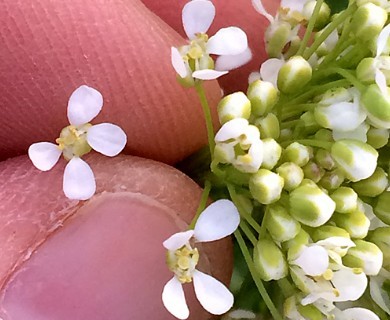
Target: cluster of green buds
{"points": [[310, 143]]}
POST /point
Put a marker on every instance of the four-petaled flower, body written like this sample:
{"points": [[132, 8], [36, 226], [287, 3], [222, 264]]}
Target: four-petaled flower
{"points": [[217, 221], [78, 139], [193, 60]]}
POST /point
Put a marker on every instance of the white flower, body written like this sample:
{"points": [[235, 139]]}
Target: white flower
{"points": [[239, 133], [381, 43], [217, 221], [231, 44], [78, 139], [355, 314]]}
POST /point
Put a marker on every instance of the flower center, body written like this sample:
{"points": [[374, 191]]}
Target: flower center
{"points": [[73, 141], [182, 262]]}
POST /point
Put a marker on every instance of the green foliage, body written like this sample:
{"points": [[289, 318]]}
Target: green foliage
{"points": [[337, 5]]}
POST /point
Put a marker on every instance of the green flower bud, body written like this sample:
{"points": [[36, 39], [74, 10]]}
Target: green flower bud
{"points": [[377, 138], [346, 199], [372, 186], [365, 255], [268, 126], [297, 153], [266, 186], [356, 223], [286, 134], [292, 175], [332, 179], [357, 159], [382, 207], [377, 106], [311, 206], [324, 135], [324, 159], [309, 122], [368, 21], [277, 36], [295, 310], [381, 237], [294, 74], [269, 260], [366, 69], [325, 232], [313, 171], [281, 226], [263, 97], [271, 153], [310, 312], [294, 246], [235, 105], [323, 15]]}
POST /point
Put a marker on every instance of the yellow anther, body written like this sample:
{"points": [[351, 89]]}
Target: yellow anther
{"points": [[357, 270], [73, 141], [182, 262], [328, 274], [195, 52], [246, 159], [336, 292]]}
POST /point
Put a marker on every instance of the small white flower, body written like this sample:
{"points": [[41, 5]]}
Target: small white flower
{"points": [[231, 44], [381, 43], [239, 133], [78, 139], [217, 221]]}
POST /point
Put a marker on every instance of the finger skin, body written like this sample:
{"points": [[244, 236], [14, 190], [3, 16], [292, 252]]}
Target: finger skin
{"points": [[119, 47], [99, 259], [238, 13]]}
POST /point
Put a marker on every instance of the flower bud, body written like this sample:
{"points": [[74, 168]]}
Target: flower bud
{"points": [[357, 159], [310, 312], [345, 199], [381, 237], [309, 122], [294, 74], [323, 15], [365, 255], [268, 126], [235, 105], [367, 68], [310, 205], [286, 134], [281, 226], [297, 153], [292, 175], [313, 171], [266, 186], [372, 186], [324, 159], [295, 310], [269, 260], [355, 223], [368, 21], [377, 106], [324, 135], [327, 231], [377, 138], [277, 36], [295, 245], [271, 153], [382, 207], [332, 179], [263, 97]]}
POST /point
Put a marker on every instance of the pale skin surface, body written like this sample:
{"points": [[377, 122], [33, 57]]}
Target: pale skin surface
{"points": [[101, 259]]}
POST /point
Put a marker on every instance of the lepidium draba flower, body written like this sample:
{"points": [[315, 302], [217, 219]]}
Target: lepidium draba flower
{"points": [[193, 60], [217, 221], [78, 139]]}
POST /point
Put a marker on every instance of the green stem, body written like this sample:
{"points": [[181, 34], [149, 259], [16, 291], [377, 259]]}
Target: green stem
{"points": [[316, 143], [207, 115], [202, 204], [329, 29], [248, 233], [287, 289], [310, 28], [350, 77], [256, 278]]}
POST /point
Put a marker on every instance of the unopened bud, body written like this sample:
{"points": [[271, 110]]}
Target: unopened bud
{"points": [[324, 135], [377, 138], [345, 199], [271, 153], [377, 106], [327, 231], [310, 205], [294, 74], [269, 260], [266, 186], [292, 175], [324, 159], [295, 245], [268, 126], [313, 171], [382, 207], [357, 159], [263, 97], [281, 226], [323, 15], [332, 179], [372, 186], [297, 153], [367, 68], [235, 105], [276, 37], [381, 237]]}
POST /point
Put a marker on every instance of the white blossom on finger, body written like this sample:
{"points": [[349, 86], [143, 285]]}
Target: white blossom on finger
{"points": [[78, 139], [217, 221]]}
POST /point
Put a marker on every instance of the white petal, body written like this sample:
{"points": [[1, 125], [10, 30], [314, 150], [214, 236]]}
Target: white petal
{"points": [[208, 74], [178, 240], [217, 221], [212, 294], [253, 76], [336, 242], [269, 70], [230, 62], [258, 5], [359, 314], [106, 138], [178, 62], [44, 155], [380, 297], [84, 104], [360, 133], [350, 285], [79, 181], [174, 300], [382, 40], [313, 260], [232, 130], [294, 5], [228, 41], [380, 80], [197, 16]]}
